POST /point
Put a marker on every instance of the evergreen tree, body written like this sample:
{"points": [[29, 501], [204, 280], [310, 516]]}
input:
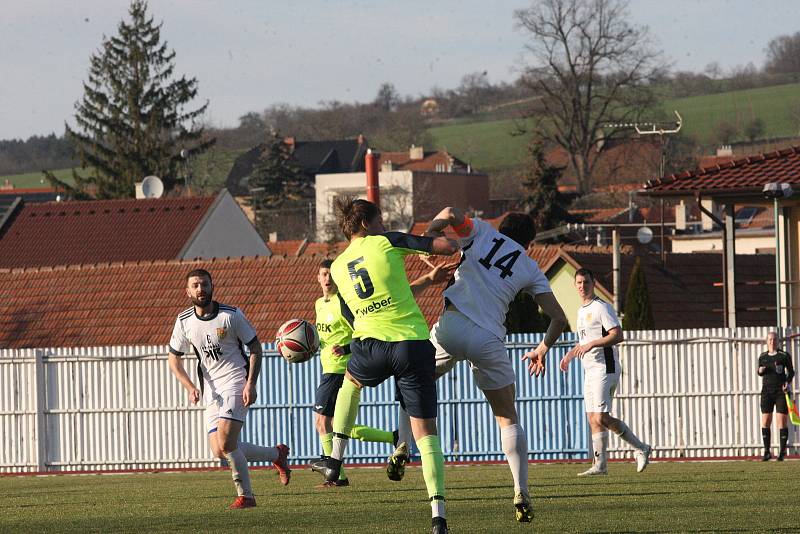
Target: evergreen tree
{"points": [[544, 202], [524, 316], [638, 312], [277, 175], [132, 121], [280, 190]]}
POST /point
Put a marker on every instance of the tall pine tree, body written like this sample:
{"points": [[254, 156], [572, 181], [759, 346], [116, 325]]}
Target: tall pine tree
{"points": [[133, 119], [638, 312]]}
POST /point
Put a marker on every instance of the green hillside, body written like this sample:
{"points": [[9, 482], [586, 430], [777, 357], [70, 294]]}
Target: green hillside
{"points": [[36, 180], [491, 146], [778, 106], [208, 172]]}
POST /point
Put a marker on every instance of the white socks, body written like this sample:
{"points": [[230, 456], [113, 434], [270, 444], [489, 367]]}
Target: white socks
{"points": [[515, 445], [338, 447], [404, 429], [627, 435], [240, 472], [257, 453], [600, 446]]}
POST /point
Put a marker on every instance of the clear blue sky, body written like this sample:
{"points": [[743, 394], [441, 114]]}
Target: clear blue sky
{"points": [[249, 54]]}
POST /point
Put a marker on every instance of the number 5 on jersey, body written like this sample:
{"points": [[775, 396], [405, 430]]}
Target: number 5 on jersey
{"points": [[359, 275]]}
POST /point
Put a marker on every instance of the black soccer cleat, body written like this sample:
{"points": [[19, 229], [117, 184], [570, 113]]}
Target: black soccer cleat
{"points": [[766, 457], [781, 456], [439, 525], [523, 508], [328, 467], [396, 466]]}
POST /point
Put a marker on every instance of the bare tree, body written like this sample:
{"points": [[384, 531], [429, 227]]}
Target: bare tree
{"points": [[783, 55], [592, 68]]}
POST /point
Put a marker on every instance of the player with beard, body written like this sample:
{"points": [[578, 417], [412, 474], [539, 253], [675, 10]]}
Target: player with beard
{"points": [[217, 333]]}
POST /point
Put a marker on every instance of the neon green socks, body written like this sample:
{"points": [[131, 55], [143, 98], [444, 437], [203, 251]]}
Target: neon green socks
{"points": [[367, 433], [430, 449]]}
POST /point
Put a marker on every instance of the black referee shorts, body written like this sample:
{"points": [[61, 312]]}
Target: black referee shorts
{"points": [[327, 391], [773, 398], [412, 363]]}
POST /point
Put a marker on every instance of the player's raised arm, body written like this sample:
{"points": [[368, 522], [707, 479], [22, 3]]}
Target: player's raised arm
{"points": [[449, 216]]}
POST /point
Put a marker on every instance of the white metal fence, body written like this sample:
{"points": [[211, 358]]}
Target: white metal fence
{"points": [[690, 393]]}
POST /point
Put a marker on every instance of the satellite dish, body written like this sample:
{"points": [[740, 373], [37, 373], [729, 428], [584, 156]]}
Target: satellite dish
{"points": [[152, 187], [644, 235]]}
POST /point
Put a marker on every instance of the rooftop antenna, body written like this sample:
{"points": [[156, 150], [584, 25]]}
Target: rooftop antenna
{"points": [[152, 187], [657, 128]]}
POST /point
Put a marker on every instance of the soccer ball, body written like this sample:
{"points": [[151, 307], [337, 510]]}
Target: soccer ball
{"points": [[297, 340]]}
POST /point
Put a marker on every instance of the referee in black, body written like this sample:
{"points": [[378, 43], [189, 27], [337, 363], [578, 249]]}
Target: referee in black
{"points": [[775, 369]]}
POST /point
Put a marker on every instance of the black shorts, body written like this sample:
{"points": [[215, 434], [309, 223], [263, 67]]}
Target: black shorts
{"points": [[327, 390], [410, 362], [773, 398]]}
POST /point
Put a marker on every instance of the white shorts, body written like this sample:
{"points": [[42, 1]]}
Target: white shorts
{"points": [[598, 389], [225, 405], [457, 338]]}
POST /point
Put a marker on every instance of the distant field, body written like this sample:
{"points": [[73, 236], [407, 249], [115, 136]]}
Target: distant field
{"points": [[36, 180], [490, 146], [208, 171], [777, 106], [742, 496]]}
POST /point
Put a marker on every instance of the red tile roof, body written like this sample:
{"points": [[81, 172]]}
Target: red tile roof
{"points": [[429, 162], [62, 233], [744, 175], [136, 303]]}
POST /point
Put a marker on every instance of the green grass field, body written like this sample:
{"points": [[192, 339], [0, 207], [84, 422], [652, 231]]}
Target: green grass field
{"points": [[490, 146], [742, 496]]}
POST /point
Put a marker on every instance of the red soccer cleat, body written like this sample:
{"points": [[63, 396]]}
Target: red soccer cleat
{"points": [[243, 502], [282, 464]]}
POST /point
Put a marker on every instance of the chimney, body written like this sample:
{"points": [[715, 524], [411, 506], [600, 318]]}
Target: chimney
{"points": [[273, 237], [373, 184], [361, 139], [680, 216], [387, 166], [725, 151], [416, 153], [289, 141]]}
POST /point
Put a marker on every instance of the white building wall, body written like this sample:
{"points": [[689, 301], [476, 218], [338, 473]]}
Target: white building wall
{"points": [[396, 190], [744, 244], [225, 232]]}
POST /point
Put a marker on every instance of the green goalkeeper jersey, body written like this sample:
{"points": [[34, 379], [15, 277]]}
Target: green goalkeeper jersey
{"points": [[333, 329], [372, 280]]}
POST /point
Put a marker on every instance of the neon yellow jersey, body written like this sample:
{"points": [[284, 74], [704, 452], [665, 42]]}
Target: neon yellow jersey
{"points": [[372, 280], [333, 329]]}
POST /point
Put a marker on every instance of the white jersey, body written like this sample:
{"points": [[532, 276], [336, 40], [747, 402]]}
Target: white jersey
{"points": [[493, 269], [218, 342], [595, 320]]}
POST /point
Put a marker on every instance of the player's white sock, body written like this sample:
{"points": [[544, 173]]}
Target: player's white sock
{"points": [[404, 432], [257, 453], [338, 447], [437, 508], [240, 472], [600, 445], [515, 445], [627, 435]]}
